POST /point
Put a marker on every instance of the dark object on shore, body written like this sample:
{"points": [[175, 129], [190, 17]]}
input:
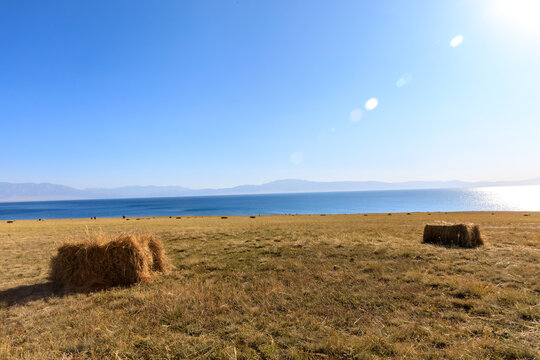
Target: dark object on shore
{"points": [[459, 235], [224, 217], [178, 217], [323, 214], [107, 261], [408, 213], [526, 214], [252, 217], [123, 216], [10, 221], [429, 213], [389, 214], [365, 214]]}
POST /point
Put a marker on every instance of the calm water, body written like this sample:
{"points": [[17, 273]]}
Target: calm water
{"points": [[493, 198]]}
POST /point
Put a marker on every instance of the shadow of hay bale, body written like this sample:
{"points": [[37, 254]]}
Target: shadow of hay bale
{"points": [[454, 235], [107, 261], [23, 294]]}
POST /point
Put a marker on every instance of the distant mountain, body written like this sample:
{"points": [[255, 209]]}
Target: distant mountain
{"points": [[38, 192], [44, 191], [138, 191], [296, 186]]}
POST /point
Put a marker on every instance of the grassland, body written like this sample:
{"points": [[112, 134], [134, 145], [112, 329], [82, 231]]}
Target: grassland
{"points": [[274, 287]]}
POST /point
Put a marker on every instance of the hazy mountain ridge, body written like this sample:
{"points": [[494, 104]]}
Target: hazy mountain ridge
{"points": [[45, 191], [138, 191]]}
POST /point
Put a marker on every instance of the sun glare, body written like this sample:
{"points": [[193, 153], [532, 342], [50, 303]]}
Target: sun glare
{"points": [[520, 14]]}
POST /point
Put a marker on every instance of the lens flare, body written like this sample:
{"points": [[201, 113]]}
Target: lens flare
{"points": [[404, 80], [356, 115], [371, 104], [456, 41], [296, 158]]}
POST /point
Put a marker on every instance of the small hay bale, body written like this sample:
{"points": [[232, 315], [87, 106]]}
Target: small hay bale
{"points": [[458, 235], [106, 261]]}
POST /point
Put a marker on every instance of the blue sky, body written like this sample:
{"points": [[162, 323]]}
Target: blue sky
{"points": [[222, 93]]}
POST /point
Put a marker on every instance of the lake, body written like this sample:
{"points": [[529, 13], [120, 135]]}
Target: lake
{"points": [[502, 198]]}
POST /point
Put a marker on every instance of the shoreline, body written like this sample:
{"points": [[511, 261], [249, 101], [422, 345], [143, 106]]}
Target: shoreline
{"points": [[178, 217]]}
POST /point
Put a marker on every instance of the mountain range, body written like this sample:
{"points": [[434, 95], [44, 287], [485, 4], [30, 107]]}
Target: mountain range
{"points": [[44, 191]]}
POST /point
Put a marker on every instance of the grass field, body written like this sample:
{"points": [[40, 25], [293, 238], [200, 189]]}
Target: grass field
{"points": [[276, 287]]}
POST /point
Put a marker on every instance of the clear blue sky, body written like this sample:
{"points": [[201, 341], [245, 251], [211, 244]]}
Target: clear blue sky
{"points": [[221, 93]]}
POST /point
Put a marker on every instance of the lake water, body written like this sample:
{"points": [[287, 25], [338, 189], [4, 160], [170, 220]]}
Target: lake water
{"points": [[503, 198]]}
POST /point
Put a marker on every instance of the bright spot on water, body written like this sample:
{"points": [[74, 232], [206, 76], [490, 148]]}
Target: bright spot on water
{"points": [[456, 41], [371, 104], [296, 158], [404, 80], [524, 198], [356, 115], [333, 130]]}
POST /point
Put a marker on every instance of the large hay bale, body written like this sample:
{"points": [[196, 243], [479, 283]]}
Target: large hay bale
{"points": [[106, 261], [457, 235]]}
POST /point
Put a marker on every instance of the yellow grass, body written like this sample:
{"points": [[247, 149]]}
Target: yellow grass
{"points": [[299, 287]]}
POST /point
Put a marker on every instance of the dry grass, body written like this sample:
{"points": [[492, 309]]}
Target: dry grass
{"points": [[274, 287]]}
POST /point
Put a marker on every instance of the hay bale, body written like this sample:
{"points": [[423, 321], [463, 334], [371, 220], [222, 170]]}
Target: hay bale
{"points": [[453, 235], [106, 261], [159, 259]]}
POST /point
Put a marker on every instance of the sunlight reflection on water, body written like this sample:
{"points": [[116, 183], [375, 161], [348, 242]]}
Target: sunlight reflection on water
{"points": [[510, 197]]}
